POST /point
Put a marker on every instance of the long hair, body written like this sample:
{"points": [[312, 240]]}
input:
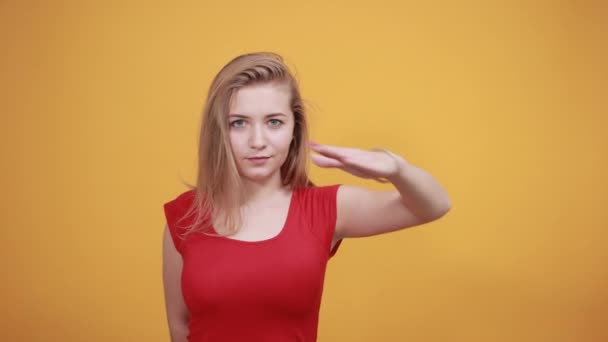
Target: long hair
{"points": [[218, 190]]}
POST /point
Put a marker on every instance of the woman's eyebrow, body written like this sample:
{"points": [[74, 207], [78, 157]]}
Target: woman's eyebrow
{"points": [[267, 115]]}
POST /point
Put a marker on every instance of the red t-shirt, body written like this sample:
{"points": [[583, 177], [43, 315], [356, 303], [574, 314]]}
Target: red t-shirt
{"points": [[267, 290]]}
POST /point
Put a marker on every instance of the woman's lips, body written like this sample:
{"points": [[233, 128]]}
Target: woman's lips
{"points": [[258, 160]]}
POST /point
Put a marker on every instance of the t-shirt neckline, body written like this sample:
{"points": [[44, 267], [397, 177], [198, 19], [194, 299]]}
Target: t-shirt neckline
{"points": [[281, 232]]}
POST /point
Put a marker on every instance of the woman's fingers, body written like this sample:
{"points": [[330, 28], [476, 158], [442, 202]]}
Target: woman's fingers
{"points": [[339, 153], [323, 161]]}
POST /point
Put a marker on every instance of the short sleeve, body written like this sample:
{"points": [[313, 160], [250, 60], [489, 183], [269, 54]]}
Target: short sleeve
{"points": [[325, 210], [175, 210]]}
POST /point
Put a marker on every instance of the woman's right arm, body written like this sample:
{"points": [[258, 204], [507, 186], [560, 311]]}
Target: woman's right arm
{"points": [[177, 312]]}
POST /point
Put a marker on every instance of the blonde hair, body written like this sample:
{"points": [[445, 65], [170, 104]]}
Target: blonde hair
{"points": [[218, 191]]}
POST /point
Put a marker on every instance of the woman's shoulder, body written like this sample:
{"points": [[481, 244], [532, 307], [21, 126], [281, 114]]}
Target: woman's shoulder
{"points": [[181, 202], [184, 196], [319, 192]]}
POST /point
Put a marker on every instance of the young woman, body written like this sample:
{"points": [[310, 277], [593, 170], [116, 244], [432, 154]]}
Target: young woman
{"points": [[245, 249]]}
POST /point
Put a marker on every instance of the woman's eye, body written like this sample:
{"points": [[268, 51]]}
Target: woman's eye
{"points": [[237, 123], [275, 122]]}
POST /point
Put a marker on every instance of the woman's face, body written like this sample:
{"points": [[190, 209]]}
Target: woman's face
{"points": [[261, 129]]}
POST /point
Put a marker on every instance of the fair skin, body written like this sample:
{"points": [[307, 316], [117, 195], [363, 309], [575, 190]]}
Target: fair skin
{"points": [[261, 124], [417, 199], [256, 129]]}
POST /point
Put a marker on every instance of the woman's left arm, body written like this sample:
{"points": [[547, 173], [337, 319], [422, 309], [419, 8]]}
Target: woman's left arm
{"points": [[417, 199]]}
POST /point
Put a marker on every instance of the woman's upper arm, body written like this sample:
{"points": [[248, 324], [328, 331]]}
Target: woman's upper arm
{"points": [[364, 212], [177, 312]]}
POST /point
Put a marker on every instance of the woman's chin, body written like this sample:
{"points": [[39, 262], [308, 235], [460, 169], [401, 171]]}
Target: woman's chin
{"points": [[257, 176]]}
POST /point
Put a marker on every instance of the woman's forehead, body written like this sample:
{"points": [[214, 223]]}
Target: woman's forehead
{"points": [[261, 100]]}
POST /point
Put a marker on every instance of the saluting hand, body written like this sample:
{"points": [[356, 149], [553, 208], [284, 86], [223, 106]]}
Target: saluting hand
{"points": [[379, 164]]}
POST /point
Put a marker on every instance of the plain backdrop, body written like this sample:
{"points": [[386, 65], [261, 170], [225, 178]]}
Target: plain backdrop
{"points": [[504, 102]]}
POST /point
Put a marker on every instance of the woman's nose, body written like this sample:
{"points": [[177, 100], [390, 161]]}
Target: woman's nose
{"points": [[257, 138]]}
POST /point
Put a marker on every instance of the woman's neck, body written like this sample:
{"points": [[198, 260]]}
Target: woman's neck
{"points": [[263, 191]]}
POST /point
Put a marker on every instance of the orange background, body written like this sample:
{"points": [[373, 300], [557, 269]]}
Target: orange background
{"points": [[504, 102]]}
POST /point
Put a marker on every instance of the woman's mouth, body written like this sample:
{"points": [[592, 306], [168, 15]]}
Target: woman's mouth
{"points": [[258, 160]]}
